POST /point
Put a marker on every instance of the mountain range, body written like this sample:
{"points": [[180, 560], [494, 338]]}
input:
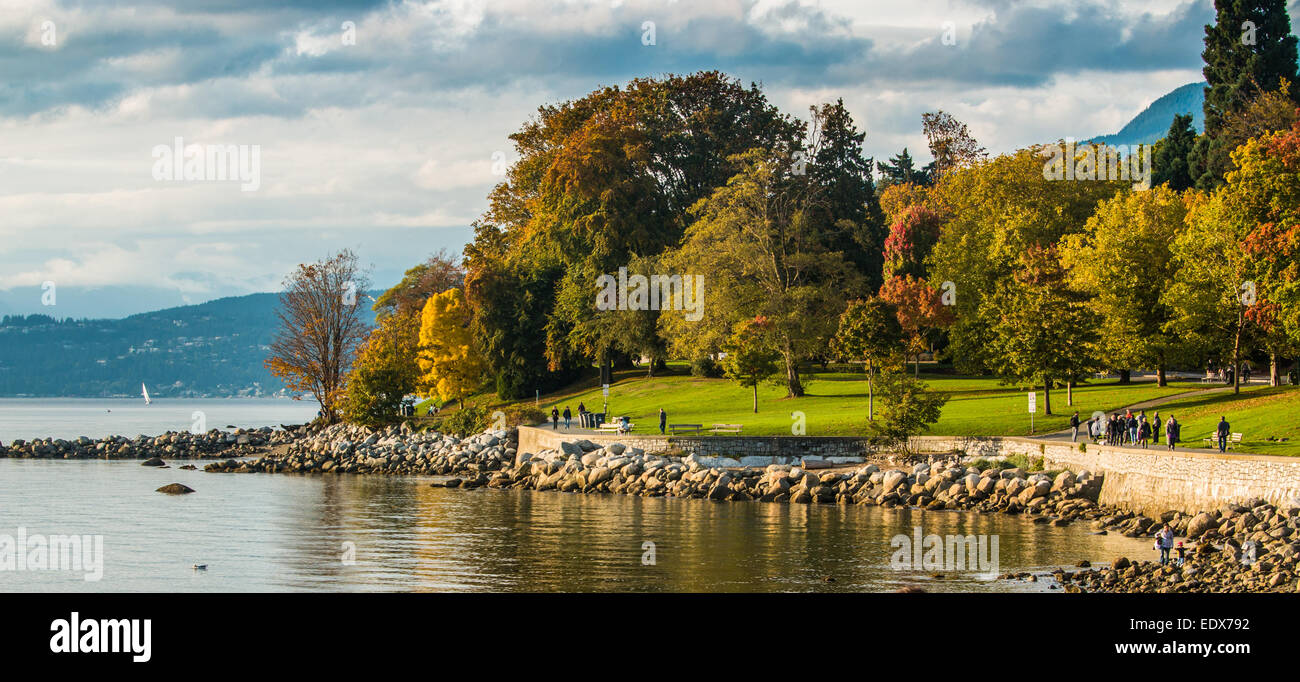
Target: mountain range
{"points": [[213, 349], [1153, 122]]}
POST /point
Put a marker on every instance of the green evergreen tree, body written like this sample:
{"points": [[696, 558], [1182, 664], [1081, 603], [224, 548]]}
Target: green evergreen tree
{"points": [[1248, 49], [1170, 163]]}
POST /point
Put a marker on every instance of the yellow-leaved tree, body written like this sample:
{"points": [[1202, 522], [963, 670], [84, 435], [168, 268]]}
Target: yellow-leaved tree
{"points": [[450, 366]]}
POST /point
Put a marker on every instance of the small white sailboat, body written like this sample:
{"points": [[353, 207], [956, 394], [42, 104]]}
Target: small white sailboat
{"points": [[145, 392]]}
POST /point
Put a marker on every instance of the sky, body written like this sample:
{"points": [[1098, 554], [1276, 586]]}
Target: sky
{"points": [[382, 126]]}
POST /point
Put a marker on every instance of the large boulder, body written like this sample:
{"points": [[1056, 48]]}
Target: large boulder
{"points": [[175, 489], [892, 480], [1064, 481], [1199, 524], [154, 462]]}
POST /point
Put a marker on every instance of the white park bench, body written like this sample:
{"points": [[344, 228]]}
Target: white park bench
{"points": [[727, 428], [615, 427], [1213, 440]]}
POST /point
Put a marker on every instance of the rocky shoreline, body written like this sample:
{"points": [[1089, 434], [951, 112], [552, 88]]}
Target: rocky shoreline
{"points": [[173, 445], [1215, 539]]}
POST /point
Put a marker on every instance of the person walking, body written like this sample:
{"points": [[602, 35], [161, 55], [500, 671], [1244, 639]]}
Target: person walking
{"points": [[1171, 432], [1144, 434], [567, 416], [1222, 432], [555, 419], [1165, 543], [663, 420], [1131, 424], [1074, 427]]}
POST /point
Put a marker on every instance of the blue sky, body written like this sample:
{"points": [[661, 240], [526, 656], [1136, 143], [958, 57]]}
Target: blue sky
{"points": [[387, 145]]}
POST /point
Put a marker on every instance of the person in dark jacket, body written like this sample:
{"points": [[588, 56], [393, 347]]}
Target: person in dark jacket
{"points": [[1171, 432], [1222, 432], [1074, 427], [567, 416], [555, 419], [663, 420]]}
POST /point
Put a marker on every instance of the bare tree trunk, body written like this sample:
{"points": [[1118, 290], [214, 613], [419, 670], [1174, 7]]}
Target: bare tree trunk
{"points": [[871, 396], [1125, 376], [1236, 356], [1047, 396], [1161, 379], [793, 388], [755, 395], [1069, 393], [1274, 372]]}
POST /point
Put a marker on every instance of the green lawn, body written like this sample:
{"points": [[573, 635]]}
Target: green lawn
{"points": [[836, 403], [1258, 413]]}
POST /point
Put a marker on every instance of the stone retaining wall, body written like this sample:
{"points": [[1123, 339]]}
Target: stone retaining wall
{"points": [[1150, 481]]}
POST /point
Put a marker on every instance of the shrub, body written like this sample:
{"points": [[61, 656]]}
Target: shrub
{"points": [[465, 421], [706, 367]]}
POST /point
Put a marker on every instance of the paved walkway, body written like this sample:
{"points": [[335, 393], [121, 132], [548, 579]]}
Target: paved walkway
{"points": [[1064, 434]]}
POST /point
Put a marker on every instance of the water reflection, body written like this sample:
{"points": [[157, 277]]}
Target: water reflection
{"points": [[290, 533]]}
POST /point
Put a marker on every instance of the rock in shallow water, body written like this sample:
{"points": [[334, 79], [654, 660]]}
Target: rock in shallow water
{"points": [[175, 489]]}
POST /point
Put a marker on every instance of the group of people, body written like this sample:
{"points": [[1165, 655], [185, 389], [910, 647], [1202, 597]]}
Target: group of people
{"points": [[567, 415], [1129, 429], [1165, 543], [1137, 430], [625, 424]]}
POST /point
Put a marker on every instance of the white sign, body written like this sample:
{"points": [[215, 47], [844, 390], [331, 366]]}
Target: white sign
{"points": [[604, 388], [1033, 402]]}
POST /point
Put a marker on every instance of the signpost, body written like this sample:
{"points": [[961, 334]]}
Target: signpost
{"points": [[1033, 407], [604, 389]]}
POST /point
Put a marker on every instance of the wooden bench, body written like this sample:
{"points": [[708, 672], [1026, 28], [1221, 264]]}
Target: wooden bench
{"points": [[727, 428], [615, 427], [685, 428], [1213, 440]]}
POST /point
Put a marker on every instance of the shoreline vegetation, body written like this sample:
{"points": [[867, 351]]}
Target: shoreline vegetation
{"points": [[1217, 540]]}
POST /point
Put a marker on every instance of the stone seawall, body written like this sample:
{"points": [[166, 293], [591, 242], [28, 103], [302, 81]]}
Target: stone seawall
{"points": [[769, 449], [1149, 481]]}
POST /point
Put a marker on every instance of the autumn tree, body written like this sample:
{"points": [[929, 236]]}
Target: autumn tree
{"points": [[921, 313], [1043, 331], [1123, 261], [385, 371], [751, 358], [438, 273], [1263, 204], [951, 143], [321, 324], [1213, 289], [452, 368], [869, 333], [911, 238], [752, 244], [996, 212]]}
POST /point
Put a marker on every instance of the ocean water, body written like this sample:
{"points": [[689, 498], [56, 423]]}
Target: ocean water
{"points": [[27, 418], [287, 532]]}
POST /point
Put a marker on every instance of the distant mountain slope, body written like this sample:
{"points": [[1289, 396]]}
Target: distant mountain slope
{"points": [[213, 349], [1153, 123]]}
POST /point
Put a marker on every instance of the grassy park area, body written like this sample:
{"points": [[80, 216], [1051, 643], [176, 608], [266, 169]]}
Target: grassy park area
{"points": [[836, 405]]}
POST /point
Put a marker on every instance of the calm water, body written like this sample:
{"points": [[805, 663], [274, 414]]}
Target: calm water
{"points": [[28, 418], [277, 532]]}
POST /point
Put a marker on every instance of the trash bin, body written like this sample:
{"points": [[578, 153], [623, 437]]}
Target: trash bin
{"points": [[597, 418]]}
